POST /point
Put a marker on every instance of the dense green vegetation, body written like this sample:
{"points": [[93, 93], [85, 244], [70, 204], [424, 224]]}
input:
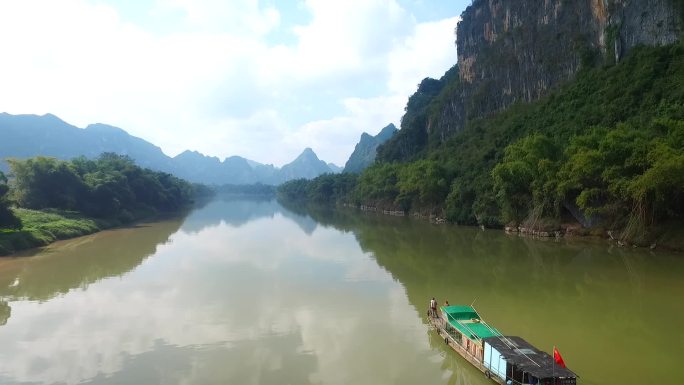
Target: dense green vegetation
{"points": [[58, 199], [110, 186], [325, 189], [423, 107], [606, 150], [642, 93], [7, 217], [40, 228]]}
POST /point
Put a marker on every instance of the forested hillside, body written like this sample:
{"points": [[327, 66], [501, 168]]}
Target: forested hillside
{"points": [[558, 116], [605, 150]]}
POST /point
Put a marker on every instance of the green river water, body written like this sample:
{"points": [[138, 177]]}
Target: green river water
{"points": [[248, 292]]}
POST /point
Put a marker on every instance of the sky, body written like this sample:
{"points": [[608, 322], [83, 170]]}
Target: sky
{"points": [[262, 79]]}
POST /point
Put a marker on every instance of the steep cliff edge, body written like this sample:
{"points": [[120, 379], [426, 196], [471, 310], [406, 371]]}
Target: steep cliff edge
{"points": [[516, 50], [560, 117], [365, 151]]}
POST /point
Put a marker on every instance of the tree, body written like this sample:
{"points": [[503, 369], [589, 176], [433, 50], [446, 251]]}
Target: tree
{"points": [[658, 192], [108, 193], [43, 182], [525, 180], [422, 183], [110, 186], [294, 190], [378, 184], [7, 217]]}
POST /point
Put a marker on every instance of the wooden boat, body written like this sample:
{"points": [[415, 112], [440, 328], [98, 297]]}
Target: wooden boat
{"points": [[504, 359]]}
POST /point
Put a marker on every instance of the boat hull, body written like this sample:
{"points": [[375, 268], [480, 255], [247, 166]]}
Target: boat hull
{"points": [[438, 324]]}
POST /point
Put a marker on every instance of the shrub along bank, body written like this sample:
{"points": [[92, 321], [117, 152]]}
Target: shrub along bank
{"points": [[50, 199]]}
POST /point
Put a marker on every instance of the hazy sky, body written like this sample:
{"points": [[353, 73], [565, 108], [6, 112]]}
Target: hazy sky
{"points": [[260, 79]]}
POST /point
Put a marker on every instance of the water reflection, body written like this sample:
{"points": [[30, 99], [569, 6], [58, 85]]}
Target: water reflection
{"points": [[237, 211], [586, 296], [230, 210], [241, 364], [272, 300], [40, 275], [251, 292]]}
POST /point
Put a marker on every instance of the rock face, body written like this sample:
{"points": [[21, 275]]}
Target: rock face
{"points": [[516, 50], [306, 165], [335, 168], [365, 151]]}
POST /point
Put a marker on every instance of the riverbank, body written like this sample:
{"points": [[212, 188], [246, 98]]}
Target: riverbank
{"points": [[335, 266], [668, 236], [43, 227]]}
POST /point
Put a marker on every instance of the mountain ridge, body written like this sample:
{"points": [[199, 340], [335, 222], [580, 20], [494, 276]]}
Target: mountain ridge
{"points": [[365, 150], [559, 117], [28, 135], [517, 51]]}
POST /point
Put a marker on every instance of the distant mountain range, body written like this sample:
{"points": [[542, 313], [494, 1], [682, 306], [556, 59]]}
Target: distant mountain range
{"points": [[24, 136], [365, 151]]}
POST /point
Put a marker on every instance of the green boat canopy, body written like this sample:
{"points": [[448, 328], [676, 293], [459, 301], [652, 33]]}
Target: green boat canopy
{"points": [[460, 312], [466, 320]]}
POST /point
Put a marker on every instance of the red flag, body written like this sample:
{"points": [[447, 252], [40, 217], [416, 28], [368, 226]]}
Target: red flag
{"points": [[557, 357]]}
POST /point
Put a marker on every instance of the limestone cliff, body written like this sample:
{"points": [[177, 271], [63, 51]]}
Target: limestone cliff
{"points": [[365, 151], [516, 50]]}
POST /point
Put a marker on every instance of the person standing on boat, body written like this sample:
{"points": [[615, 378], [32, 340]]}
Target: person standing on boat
{"points": [[446, 303], [433, 307]]}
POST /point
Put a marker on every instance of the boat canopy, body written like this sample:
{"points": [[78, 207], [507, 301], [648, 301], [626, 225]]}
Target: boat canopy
{"points": [[466, 320], [460, 312], [520, 353]]}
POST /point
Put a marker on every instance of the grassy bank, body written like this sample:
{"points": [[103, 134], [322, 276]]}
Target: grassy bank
{"points": [[42, 227], [49, 199]]}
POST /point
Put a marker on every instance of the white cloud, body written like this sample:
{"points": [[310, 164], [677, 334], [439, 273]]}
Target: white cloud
{"points": [[433, 41], [350, 35], [216, 83], [428, 51], [337, 136], [235, 16]]}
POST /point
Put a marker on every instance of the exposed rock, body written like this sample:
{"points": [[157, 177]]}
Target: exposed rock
{"points": [[306, 165], [366, 150], [335, 169], [516, 50]]}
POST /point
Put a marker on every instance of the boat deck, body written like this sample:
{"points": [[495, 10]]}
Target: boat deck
{"points": [[438, 324]]}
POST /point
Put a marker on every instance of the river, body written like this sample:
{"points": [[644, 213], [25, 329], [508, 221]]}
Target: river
{"points": [[248, 292]]}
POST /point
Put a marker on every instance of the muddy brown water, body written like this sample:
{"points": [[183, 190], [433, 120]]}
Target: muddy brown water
{"points": [[249, 292]]}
